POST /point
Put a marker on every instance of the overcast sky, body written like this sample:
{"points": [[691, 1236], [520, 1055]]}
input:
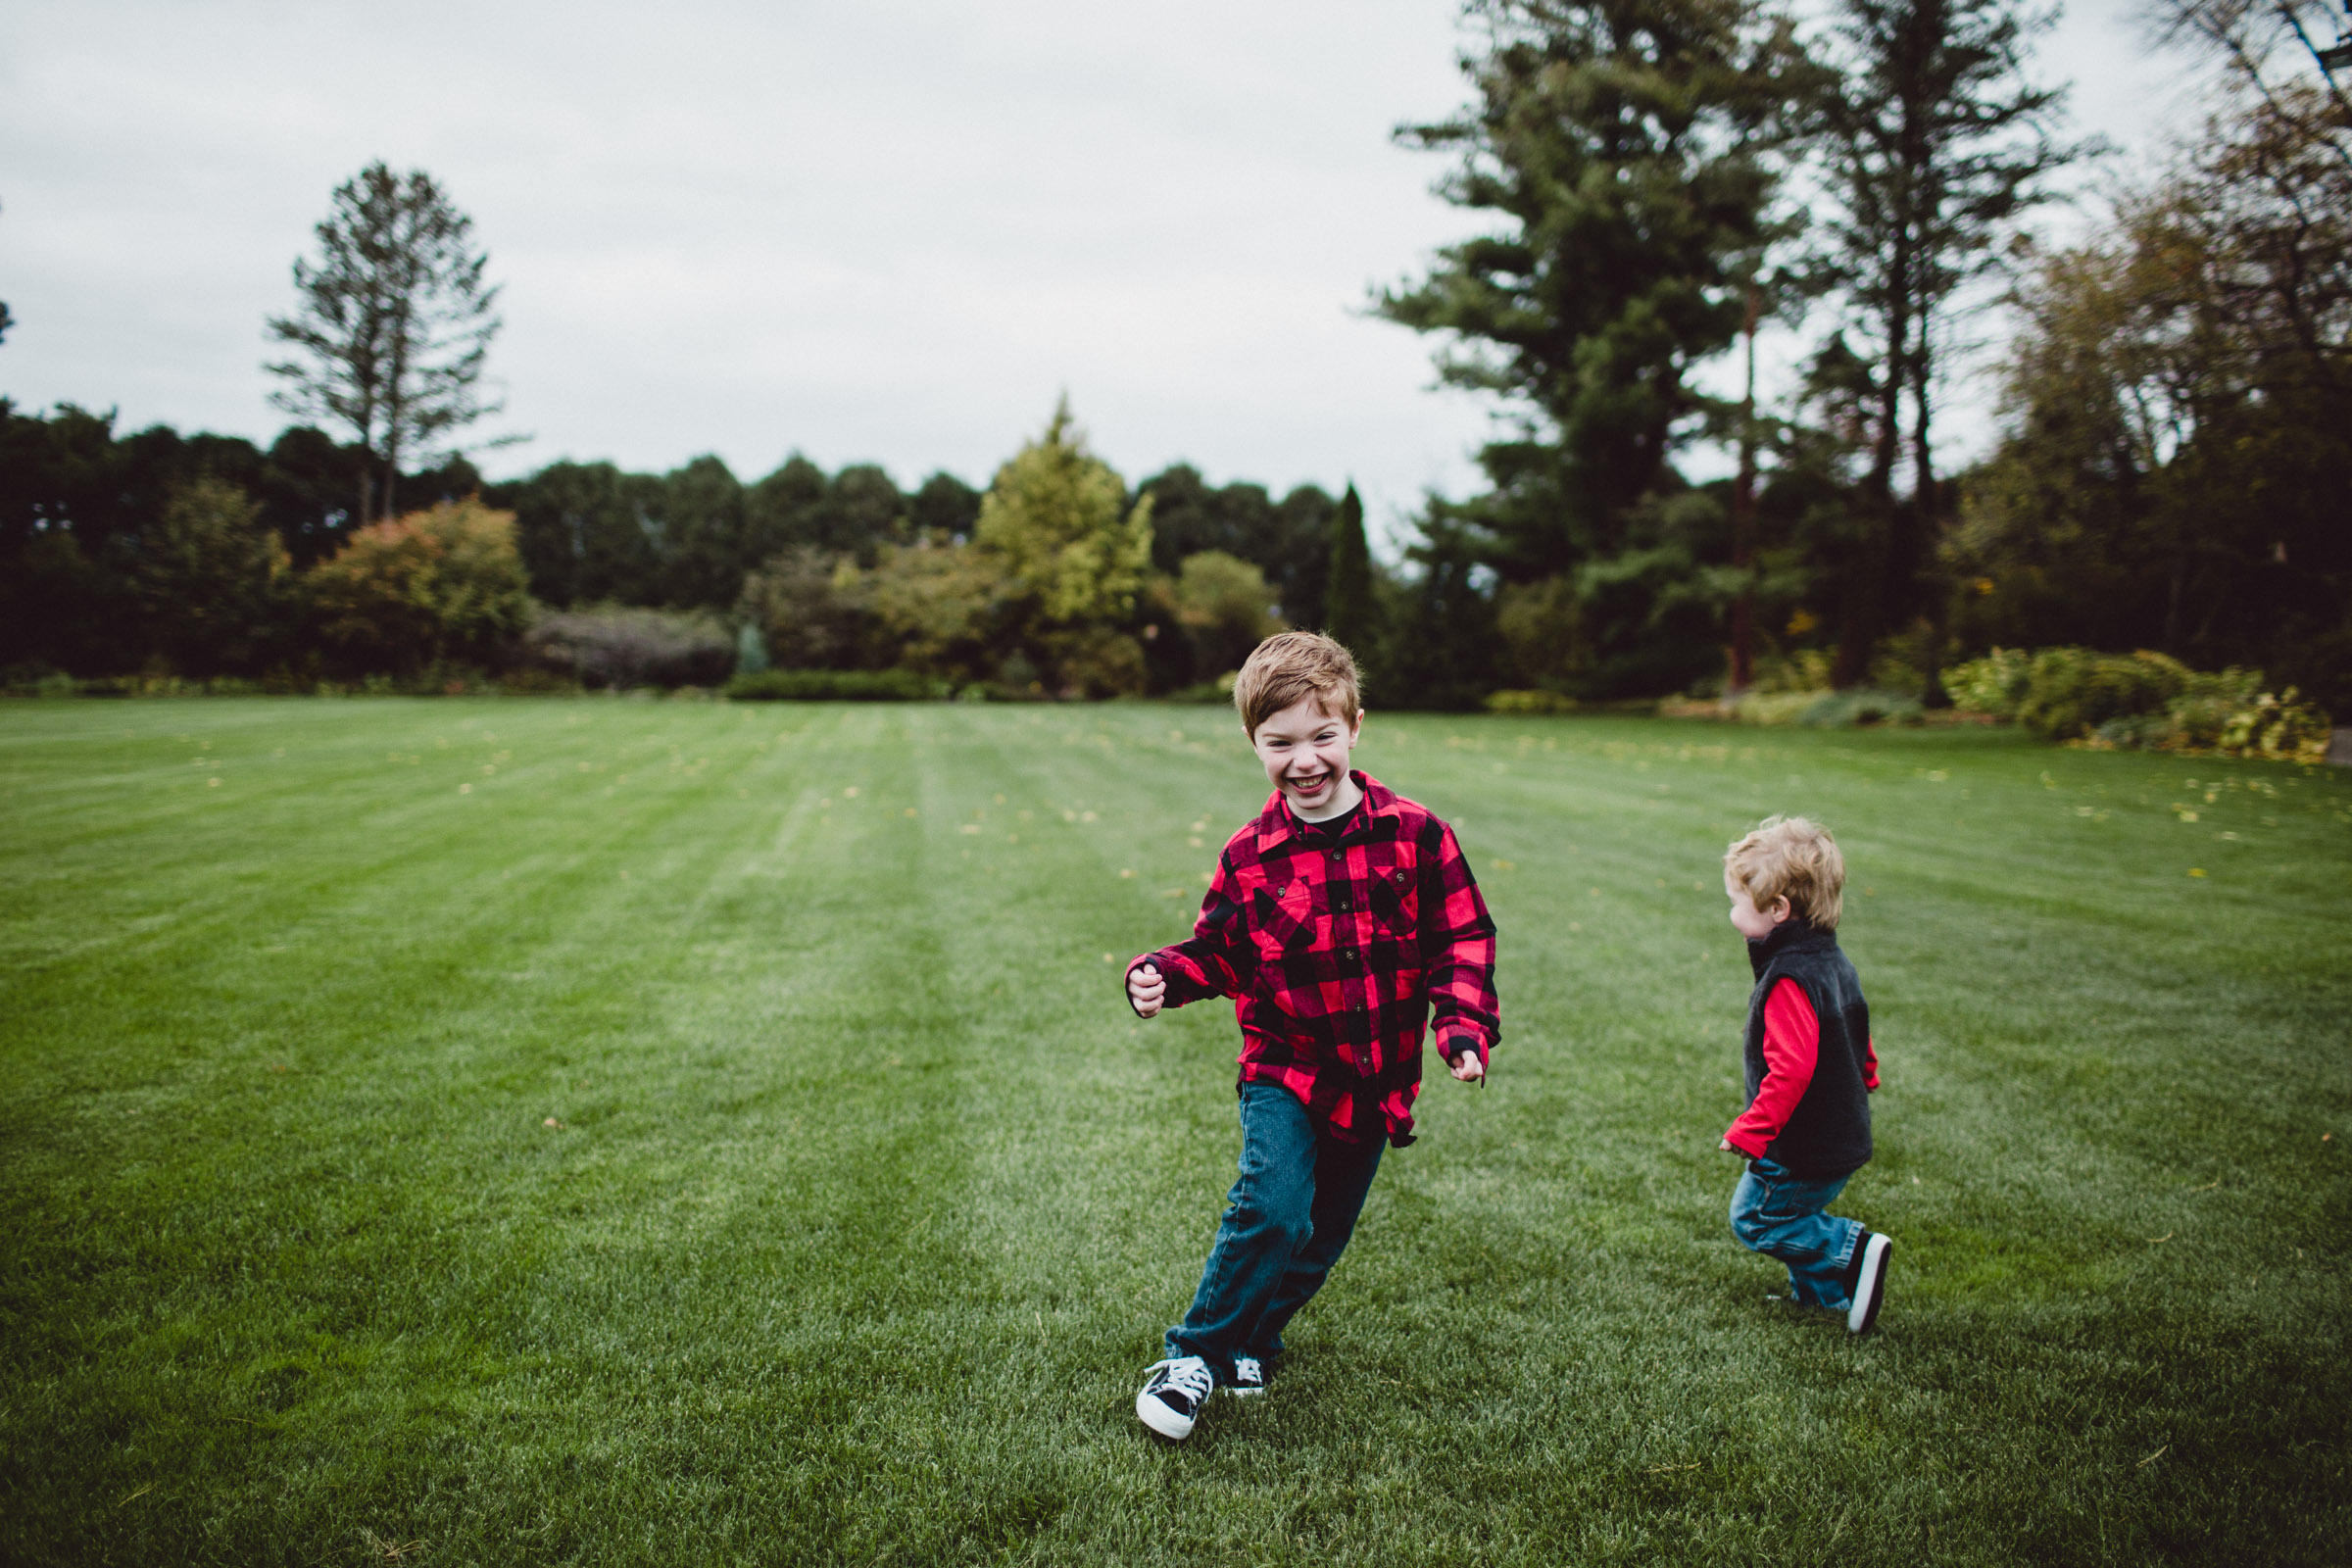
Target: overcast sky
{"points": [[888, 230]]}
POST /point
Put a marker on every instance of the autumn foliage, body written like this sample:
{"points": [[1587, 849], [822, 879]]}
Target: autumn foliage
{"points": [[429, 588]]}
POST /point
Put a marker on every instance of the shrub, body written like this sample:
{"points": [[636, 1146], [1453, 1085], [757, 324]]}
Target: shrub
{"points": [[2277, 726], [813, 610], [1860, 707], [617, 647], [1772, 708], [1994, 684], [423, 590], [1225, 608], [1802, 669], [1530, 702], [2070, 692], [836, 686]]}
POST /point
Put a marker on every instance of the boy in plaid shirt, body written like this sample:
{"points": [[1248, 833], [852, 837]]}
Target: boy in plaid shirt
{"points": [[1342, 921]]}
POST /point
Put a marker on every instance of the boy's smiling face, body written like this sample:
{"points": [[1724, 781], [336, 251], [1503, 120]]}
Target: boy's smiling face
{"points": [[1304, 750], [1749, 921]]}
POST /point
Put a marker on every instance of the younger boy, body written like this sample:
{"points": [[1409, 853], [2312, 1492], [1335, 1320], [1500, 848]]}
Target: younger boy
{"points": [[1811, 1067], [1341, 920]]}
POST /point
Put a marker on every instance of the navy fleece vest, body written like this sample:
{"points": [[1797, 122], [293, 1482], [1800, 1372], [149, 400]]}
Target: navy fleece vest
{"points": [[1829, 1131]]}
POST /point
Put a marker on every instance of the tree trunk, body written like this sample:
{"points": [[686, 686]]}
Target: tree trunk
{"points": [[1743, 524], [1927, 514], [1865, 610]]}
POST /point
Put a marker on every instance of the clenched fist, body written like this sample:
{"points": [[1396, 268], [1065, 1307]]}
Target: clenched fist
{"points": [[1145, 987]]}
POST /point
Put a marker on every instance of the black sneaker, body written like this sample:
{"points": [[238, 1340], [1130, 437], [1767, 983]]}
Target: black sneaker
{"points": [[1868, 1280], [1249, 1376], [1173, 1394]]}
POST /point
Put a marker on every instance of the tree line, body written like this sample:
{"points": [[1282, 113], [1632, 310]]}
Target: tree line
{"points": [[205, 555], [1664, 180]]}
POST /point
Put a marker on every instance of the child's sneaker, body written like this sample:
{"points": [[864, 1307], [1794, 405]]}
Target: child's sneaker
{"points": [[1249, 1376], [1868, 1284], [1173, 1394]]}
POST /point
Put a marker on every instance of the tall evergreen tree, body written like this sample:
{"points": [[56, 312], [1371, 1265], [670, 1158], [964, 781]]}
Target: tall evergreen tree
{"points": [[1628, 147], [392, 328], [1938, 144], [1351, 597]]}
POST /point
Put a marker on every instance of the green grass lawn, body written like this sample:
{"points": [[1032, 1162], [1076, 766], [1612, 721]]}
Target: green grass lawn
{"points": [[535, 1131]]}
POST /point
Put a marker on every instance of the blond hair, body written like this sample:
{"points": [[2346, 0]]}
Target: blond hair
{"points": [[1294, 664], [1794, 858]]}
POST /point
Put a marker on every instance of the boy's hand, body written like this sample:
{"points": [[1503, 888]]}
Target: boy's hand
{"points": [[1725, 1145], [1465, 1065], [1145, 987]]}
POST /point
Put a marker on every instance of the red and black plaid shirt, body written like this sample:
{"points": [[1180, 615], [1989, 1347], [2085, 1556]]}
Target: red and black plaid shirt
{"points": [[1338, 952]]}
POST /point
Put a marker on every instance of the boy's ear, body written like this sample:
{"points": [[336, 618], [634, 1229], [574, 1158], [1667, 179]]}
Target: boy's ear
{"points": [[1781, 909]]}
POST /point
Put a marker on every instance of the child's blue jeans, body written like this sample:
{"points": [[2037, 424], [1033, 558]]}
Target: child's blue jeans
{"points": [[1287, 1221], [1779, 1213]]}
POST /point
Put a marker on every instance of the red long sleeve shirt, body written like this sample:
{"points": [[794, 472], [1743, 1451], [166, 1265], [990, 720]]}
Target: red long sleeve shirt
{"points": [[1791, 1047]]}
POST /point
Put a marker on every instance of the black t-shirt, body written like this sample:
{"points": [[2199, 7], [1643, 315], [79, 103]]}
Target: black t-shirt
{"points": [[1329, 830]]}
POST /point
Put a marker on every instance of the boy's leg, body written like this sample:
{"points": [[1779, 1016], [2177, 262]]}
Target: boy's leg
{"points": [[1779, 1213], [1343, 1174], [1266, 1219]]}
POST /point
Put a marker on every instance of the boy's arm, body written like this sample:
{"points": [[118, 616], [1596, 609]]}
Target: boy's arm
{"points": [[1791, 1047], [1219, 959], [1457, 957]]}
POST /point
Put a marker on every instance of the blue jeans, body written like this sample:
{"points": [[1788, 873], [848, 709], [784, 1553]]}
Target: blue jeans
{"points": [[1287, 1221], [1779, 1213]]}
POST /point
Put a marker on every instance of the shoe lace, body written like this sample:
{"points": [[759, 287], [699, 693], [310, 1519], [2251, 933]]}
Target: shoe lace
{"points": [[1246, 1369], [1189, 1374]]}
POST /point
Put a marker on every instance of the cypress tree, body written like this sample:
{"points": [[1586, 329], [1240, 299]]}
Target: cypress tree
{"points": [[1350, 603]]}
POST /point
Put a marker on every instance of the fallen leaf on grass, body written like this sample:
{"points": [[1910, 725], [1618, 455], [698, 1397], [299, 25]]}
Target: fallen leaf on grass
{"points": [[2153, 1457], [552, 1122], [390, 1550]]}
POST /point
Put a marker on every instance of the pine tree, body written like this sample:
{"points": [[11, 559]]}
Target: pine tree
{"points": [[393, 325], [1350, 601], [1938, 144], [1631, 151]]}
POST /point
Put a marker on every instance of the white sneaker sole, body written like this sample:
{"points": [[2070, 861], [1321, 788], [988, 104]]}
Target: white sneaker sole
{"points": [[1240, 1393], [1155, 1413], [1871, 1286]]}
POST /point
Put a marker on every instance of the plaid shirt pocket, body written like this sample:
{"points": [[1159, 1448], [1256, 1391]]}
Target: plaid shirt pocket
{"points": [[1282, 917]]}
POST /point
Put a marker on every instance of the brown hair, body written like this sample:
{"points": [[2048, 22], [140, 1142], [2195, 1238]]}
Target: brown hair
{"points": [[1791, 857], [1290, 665]]}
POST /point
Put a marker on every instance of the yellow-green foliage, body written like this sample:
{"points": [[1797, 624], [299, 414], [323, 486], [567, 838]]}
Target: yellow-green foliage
{"points": [[1053, 514], [1530, 702], [2140, 699], [1993, 685]]}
